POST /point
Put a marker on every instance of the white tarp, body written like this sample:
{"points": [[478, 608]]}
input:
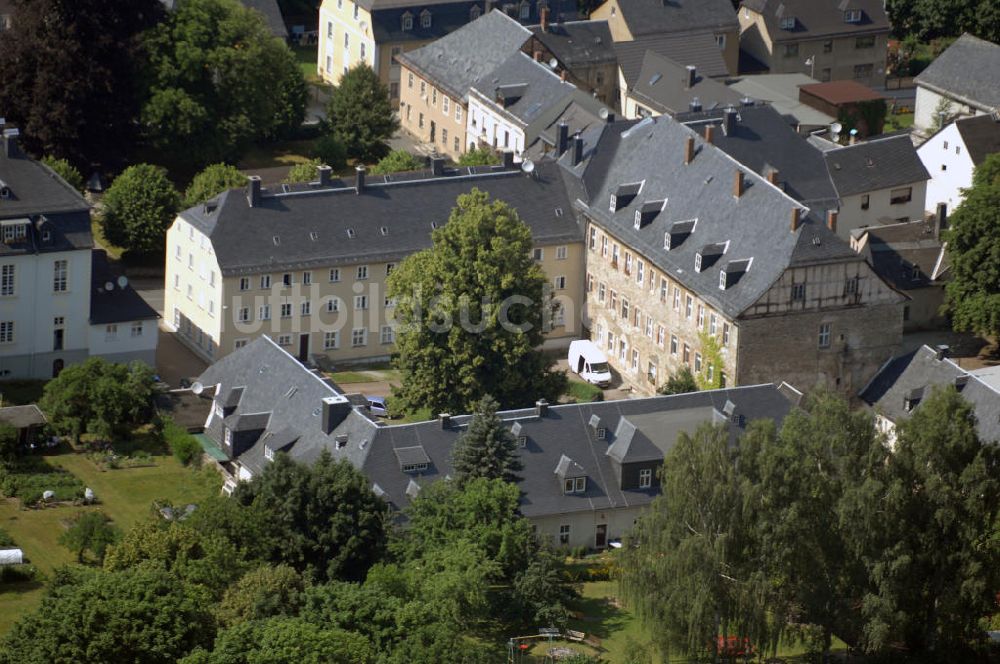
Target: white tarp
{"points": [[11, 557]]}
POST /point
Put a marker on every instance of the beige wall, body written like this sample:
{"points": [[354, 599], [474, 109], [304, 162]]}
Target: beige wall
{"points": [[334, 22], [583, 525], [193, 289], [429, 106], [857, 212]]}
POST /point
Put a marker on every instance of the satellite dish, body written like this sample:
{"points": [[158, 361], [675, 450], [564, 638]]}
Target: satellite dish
{"points": [[197, 388], [854, 132], [603, 114], [553, 63], [528, 166], [122, 282], [836, 127], [109, 286]]}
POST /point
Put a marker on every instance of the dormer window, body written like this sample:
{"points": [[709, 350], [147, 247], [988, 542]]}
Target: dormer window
{"points": [[268, 453], [679, 231], [647, 213], [407, 22], [624, 195], [852, 16], [425, 19], [575, 485], [15, 230], [708, 254], [788, 23], [412, 459], [602, 433], [522, 441], [732, 271], [525, 11]]}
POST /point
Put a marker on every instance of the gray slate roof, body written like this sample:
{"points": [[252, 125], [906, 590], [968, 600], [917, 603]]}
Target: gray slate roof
{"points": [[539, 89], [782, 92], [21, 417], [662, 85], [446, 17], [981, 135], [879, 163], [815, 19], [456, 61], [118, 304], [698, 49], [756, 226], [916, 373], [907, 255], [647, 17], [311, 224], [969, 71], [577, 43]]}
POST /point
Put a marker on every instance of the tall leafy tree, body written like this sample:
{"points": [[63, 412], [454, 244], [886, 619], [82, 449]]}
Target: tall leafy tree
{"points": [[212, 181], [138, 208], [360, 114], [91, 531], [265, 592], [973, 293], [487, 448], [70, 76], [471, 311], [329, 523], [66, 171], [218, 80], [284, 640]]}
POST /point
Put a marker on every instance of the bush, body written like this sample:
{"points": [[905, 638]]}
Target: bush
{"points": [[66, 171], [584, 392], [17, 573], [397, 161], [303, 172], [212, 181], [139, 207], [5, 539], [185, 448], [479, 157], [331, 152]]}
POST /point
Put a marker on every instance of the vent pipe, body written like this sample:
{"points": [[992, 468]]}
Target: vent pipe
{"points": [[444, 419], [323, 172], [709, 133], [692, 76], [562, 138], [577, 149], [359, 179]]}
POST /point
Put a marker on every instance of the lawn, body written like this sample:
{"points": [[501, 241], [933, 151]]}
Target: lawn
{"points": [[114, 253], [277, 154], [582, 392], [305, 55]]}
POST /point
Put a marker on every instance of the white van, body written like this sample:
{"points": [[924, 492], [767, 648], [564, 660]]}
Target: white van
{"points": [[587, 360]]}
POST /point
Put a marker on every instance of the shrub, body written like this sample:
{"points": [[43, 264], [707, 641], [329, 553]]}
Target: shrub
{"points": [[331, 152], [185, 448], [66, 171], [5, 539], [138, 208], [479, 157], [212, 181], [397, 161], [303, 172], [17, 573]]}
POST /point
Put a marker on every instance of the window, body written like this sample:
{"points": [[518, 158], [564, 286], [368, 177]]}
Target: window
{"points": [[713, 324], [863, 71], [190, 292], [7, 280], [561, 253], [286, 279], [791, 50], [635, 360], [661, 335], [593, 238], [720, 40], [673, 344], [307, 278], [688, 307], [628, 263], [865, 201], [788, 23], [697, 362], [575, 485], [851, 286], [645, 478], [444, 137], [240, 343], [359, 336], [330, 340], [613, 303], [525, 12], [601, 288], [864, 42], [347, 42], [687, 354], [663, 289], [265, 281], [389, 267], [602, 433], [14, 232], [425, 19], [901, 195], [362, 51], [637, 317], [640, 272], [306, 308], [824, 335], [625, 309], [458, 113], [852, 16], [362, 272], [177, 282], [564, 534], [455, 146], [110, 332], [560, 283], [649, 327], [334, 275], [434, 96], [798, 292], [333, 305], [360, 301], [265, 312], [136, 329], [284, 340], [409, 80], [244, 283], [211, 278], [725, 334], [701, 317], [244, 314], [445, 104], [7, 332], [388, 334], [538, 253], [677, 299]]}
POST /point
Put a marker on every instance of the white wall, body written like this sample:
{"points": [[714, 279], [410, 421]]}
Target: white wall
{"points": [[484, 114], [946, 158], [852, 215], [124, 345], [926, 108]]}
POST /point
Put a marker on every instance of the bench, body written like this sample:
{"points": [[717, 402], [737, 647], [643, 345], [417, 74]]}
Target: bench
{"points": [[575, 636]]}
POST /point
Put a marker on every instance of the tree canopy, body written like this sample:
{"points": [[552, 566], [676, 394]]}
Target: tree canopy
{"points": [[66, 171], [973, 292], [360, 114], [212, 181], [487, 448], [397, 161], [679, 382], [139, 206], [472, 312], [479, 156], [90, 531], [929, 19], [74, 91], [305, 172]]}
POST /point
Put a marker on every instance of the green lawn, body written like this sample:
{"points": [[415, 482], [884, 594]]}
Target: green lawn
{"points": [[306, 55], [582, 392], [114, 252], [365, 376], [277, 153]]}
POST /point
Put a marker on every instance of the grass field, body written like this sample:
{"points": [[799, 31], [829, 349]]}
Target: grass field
{"points": [[278, 153], [583, 391], [305, 55]]}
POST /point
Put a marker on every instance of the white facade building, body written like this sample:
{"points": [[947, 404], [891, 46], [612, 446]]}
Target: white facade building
{"points": [[952, 154]]}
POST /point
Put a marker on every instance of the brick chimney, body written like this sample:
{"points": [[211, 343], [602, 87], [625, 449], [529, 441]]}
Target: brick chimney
{"points": [[772, 176], [545, 19], [689, 150], [577, 149], [537, 55], [796, 218], [831, 220], [739, 184], [10, 147], [323, 174], [709, 133]]}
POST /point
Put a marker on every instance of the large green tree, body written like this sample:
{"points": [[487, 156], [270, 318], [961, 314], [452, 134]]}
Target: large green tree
{"points": [[973, 292], [70, 76], [90, 531], [931, 19], [360, 114], [212, 181], [218, 80], [264, 592], [397, 161], [138, 208], [284, 640], [487, 448], [327, 521], [66, 171], [472, 311]]}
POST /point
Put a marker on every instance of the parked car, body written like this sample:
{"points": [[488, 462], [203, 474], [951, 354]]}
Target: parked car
{"points": [[378, 406], [587, 360]]}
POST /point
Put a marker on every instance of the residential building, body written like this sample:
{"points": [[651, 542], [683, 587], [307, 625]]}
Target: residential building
{"points": [[50, 313], [436, 78], [782, 92], [512, 105], [636, 20], [904, 383], [584, 50], [963, 81], [589, 470], [911, 257], [879, 181], [376, 32], [694, 260], [307, 264], [830, 40], [852, 102], [953, 153], [666, 87]]}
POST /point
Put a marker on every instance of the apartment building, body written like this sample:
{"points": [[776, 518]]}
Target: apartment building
{"points": [[953, 153], [59, 300], [377, 32], [307, 264], [829, 40], [694, 260]]}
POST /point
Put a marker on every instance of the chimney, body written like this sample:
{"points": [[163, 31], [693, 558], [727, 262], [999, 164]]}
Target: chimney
{"points": [[739, 185], [324, 171], [444, 419], [694, 105], [689, 150], [941, 221], [577, 149], [537, 55], [941, 352], [562, 138], [508, 159], [729, 121], [796, 217], [437, 166], [709, 133], [335, 410], [562, 75], [610, 117], [10, 137], [692, 76], [253, 190], [545, 19], [831, 220], [772, 176], [541, 408], [359, 179]]}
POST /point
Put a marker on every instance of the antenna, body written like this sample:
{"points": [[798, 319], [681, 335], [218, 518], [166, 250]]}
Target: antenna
{"points": [[197, 388], [836, 127], [122, 282], [553, 63], [528, 166], [109, 286]]}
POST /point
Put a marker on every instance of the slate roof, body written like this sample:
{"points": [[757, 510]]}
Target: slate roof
{"points": [[698, 49], [663, 85], [457, 60], [757, 225], [117, 304], [646, 17], [879, 163], [907, 255], [763, 141], [272, 15], [968, 70], [981, 135], [578, 43], [311, 223], [446, 16], [916, 373], [815, 19], [782, 92], [539, 89], [21, 417]]}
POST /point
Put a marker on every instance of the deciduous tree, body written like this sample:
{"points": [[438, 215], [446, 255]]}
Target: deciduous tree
{"points": [[284, 640], [478, 156], [91, 531], [138, 208], [264, 592], [679, 382], [360, 114], [397, 161], [66, 171], [212, 181], [487, 448]]}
